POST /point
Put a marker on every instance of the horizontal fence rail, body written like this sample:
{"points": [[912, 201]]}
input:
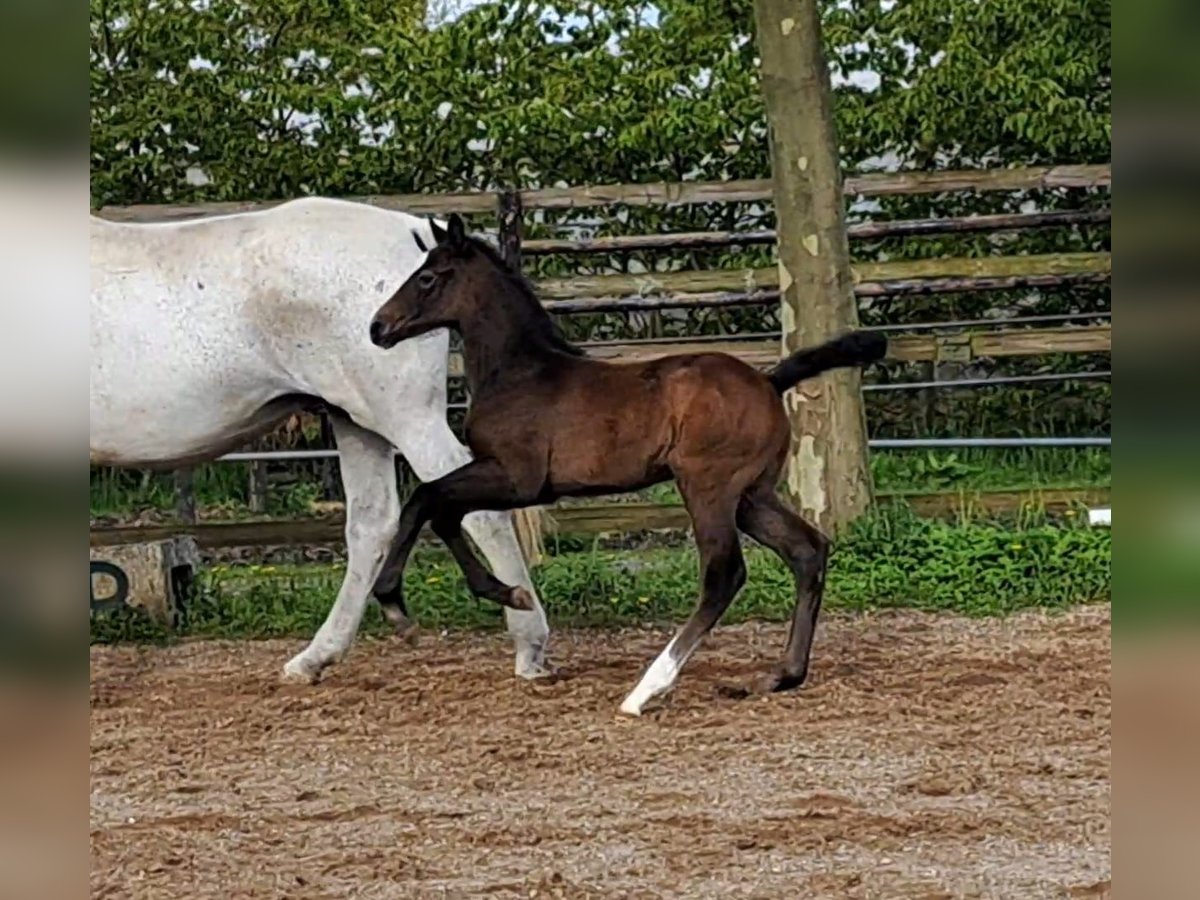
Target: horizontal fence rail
{"points": [[663, 193], [997, 381], [599, 518], [856, 231], [875, 444], [955, 324], [994, 381], [967, 443], [747, 280], [963, 347], [913, 286]]}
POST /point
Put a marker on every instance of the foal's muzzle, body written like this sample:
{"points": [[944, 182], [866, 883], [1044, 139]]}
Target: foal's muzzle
{"points": [[381, 335]]}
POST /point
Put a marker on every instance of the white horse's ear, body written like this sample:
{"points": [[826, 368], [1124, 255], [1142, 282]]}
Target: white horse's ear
{"points": [[420, 243]]}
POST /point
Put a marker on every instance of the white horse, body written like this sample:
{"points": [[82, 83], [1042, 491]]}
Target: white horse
{"points": [[205, 333]]}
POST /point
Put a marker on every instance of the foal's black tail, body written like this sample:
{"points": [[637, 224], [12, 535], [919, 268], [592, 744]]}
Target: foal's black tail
{"points": [[858, 348]]}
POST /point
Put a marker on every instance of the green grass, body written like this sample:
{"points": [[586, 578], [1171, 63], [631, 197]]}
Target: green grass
{"points": [[891, 559], [221, 488], [983, 469]]}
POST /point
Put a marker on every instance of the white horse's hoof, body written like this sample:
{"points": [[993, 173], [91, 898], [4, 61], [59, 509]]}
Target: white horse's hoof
{"points": [[629, 708], [301, 671], [538, 672], [532, 665]]}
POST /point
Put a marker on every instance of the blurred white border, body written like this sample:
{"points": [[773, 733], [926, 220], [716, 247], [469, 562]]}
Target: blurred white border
{"points": [[43, 312]]}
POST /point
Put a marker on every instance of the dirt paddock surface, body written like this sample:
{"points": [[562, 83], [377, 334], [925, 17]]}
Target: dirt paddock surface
{"points": [[929, 757]]}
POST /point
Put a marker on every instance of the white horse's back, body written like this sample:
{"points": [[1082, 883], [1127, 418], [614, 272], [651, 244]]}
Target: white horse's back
{"points": [[198, 326]]}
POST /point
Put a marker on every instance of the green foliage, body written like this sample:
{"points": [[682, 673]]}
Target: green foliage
{"points": [[226, 85], [274, 99], [889, 559], [221, 490], [917, 471], [129, 625], [982, 82]]}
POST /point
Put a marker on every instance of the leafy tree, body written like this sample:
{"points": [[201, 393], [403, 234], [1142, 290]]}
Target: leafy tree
{"points": [[238, 99], [276, 98]]}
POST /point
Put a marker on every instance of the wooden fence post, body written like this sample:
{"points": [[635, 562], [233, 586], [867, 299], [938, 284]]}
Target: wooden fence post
{"points": [[330, 481], [528, 522], [827, 474], [185, 496], [257, 487]]}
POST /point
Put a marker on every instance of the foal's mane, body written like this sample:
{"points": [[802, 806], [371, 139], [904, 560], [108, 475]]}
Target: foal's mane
{"points": [[539, 323]]}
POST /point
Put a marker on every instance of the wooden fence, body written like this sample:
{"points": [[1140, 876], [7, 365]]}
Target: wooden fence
{"points": [[595, 519], [665, 193], [743, 287]]}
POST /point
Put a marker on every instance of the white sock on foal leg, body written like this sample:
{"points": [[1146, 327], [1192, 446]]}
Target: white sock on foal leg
{"points": [[657, 680]]}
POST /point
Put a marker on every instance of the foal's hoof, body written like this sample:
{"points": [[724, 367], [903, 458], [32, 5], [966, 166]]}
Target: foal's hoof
{"points": [[733, 691], [408, 631], [394, 613], [520, 598], [781, 680]]}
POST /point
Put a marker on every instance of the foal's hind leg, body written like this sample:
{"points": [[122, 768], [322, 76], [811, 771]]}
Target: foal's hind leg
{"points": [[722, 574], [763, 516]]}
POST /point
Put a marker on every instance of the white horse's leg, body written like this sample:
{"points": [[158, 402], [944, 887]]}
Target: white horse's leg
{"points": [[372, 516], [496, 538], [432, 450]]}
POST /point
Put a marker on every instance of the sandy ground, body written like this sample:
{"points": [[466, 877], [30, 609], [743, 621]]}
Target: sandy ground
{"points": [[929, 757]]}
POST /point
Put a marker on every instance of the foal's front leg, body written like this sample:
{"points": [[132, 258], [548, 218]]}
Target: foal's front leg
{"points": [[481, 484]]}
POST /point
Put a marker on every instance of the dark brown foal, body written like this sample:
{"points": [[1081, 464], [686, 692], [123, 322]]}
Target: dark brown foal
{"points": [[547, 422]]}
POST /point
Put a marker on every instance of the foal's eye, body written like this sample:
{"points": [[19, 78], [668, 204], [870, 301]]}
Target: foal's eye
{"points": [[426, 280]]}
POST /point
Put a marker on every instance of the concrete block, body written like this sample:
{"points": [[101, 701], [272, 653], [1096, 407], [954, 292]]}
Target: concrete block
{"points": [[158, 573]]}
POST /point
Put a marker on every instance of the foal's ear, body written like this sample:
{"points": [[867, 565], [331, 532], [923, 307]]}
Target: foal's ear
{"points": [[439, 233], [457, 232]]}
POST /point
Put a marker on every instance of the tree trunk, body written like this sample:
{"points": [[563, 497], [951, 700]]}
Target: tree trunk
{"points": [[827, 475]]}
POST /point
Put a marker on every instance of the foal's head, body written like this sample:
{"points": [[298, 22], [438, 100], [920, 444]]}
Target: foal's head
{"points": [[463, 282]]}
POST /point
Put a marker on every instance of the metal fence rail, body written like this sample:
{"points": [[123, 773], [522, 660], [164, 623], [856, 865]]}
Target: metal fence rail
{"points": [[876, 444]]}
